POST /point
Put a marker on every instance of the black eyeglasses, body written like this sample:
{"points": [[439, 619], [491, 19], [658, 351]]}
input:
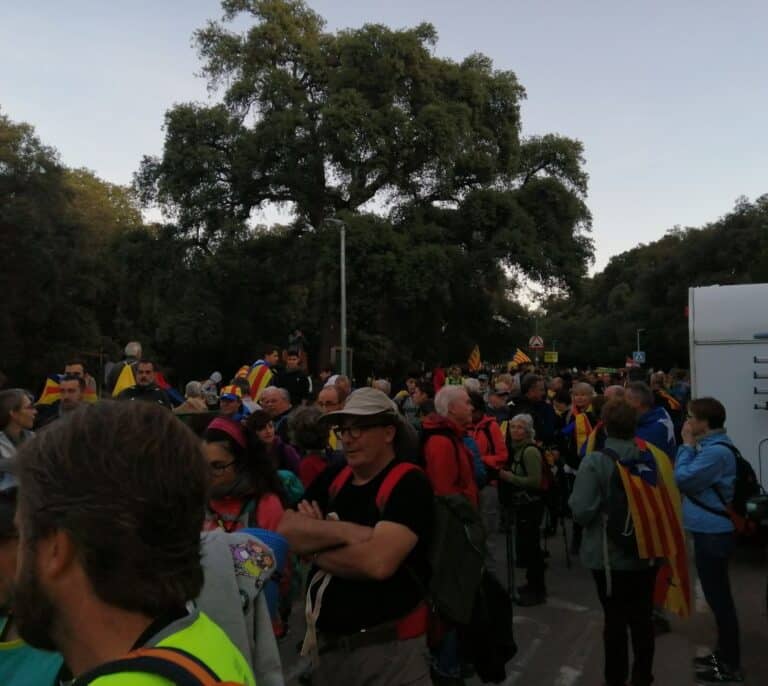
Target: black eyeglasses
{"points": [[219, 467], [356, 430]]}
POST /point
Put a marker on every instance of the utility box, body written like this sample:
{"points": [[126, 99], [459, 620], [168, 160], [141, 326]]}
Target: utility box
{"points": [[728, 335]]}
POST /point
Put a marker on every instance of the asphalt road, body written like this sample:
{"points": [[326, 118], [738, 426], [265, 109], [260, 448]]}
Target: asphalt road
{"points": [[560, 643]]}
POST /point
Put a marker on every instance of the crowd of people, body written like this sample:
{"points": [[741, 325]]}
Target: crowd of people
{"points": [[332, 494]]}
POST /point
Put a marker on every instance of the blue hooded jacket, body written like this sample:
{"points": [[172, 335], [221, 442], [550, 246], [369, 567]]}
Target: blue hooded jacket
{"points": [[656, 427], [696, 471]]}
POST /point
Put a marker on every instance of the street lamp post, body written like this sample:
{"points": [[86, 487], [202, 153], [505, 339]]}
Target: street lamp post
{"points": [[638, 331], [343, 270]]}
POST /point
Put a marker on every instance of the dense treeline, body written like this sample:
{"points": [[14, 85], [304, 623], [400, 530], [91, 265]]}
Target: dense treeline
{"points": [[446, 208], [647, 288]]}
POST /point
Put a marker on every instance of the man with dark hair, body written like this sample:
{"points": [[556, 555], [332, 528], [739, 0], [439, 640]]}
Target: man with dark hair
{"points": [[705, 471], [294, 380], [654, 424], [111, 505], [532, 401], [76, 367], [72, 391], [146, 389]]}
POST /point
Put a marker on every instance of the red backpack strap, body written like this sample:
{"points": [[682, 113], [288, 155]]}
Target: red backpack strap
{"points": [[339, 482], [390, 481]]}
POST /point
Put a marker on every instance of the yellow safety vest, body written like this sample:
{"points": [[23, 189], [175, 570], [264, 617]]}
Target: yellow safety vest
{"points": [[207, 642]]}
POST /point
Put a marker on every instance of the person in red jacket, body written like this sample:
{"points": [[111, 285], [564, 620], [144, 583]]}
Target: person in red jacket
{"points": [[447, 461], [487, 434]]}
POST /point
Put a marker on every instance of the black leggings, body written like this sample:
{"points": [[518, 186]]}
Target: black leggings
{"points": [[528, 520], [628, 608]]}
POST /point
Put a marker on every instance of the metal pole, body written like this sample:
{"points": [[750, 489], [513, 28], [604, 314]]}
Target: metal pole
{"points": [[343, 258]]}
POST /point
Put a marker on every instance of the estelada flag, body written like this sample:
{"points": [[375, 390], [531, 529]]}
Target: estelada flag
{"points": [[125, 380], [89, 394], [520, 357], [656, 510], [51, 392], [173, 394], [474, 362], [259, 378]]}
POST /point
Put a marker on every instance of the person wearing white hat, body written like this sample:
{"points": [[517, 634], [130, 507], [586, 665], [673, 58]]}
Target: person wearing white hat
{"points": [[367, 527]]}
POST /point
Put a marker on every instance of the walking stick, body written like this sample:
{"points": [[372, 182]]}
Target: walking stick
{"points": [[567, 547]]}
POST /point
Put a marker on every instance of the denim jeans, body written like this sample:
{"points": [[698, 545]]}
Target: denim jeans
{"points": [[713, 552]]}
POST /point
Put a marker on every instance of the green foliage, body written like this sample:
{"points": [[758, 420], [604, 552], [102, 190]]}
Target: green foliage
{"points": [[333, 125], [53, 228], [647, 288], [328, 126]]}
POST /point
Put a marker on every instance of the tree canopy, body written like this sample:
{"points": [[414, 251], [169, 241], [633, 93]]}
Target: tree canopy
{"points": [[647, 287], [446, 205]]}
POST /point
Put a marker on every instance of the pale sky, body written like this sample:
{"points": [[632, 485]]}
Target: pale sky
{"points": [[669, 98]]}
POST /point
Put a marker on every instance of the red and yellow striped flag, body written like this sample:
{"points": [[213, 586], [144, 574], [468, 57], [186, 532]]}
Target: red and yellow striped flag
{"points": [[259, 378], [51, 391], [520, 357], [655, 506], [474, 362]]}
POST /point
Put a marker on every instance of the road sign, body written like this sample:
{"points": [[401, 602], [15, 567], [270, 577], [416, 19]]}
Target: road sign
{"points": [[536, 343], [638, 356], [551, 357]]}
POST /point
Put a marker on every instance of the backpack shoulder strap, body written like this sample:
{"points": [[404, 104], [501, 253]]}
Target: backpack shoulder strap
{"points": [[736, 457], [390, 481], [734, 450], [174, 664], [340, 481], [610, 452]]}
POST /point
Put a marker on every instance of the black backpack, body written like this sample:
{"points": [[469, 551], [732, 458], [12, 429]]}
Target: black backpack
{"points": [[619, 526], [746, 487]]}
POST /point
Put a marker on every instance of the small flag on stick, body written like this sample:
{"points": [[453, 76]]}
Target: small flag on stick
{"points": [[475, 363]]}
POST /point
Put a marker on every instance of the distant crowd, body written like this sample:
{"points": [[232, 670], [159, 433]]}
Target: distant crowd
{"points": [[374, 504]]}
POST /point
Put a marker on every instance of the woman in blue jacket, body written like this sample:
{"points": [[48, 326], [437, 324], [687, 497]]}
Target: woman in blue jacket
{"points": [[705, 471]]}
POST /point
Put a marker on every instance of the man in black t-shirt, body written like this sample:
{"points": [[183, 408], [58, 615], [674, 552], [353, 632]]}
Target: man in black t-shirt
{"points": [[367, 527], [293, 379]]}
